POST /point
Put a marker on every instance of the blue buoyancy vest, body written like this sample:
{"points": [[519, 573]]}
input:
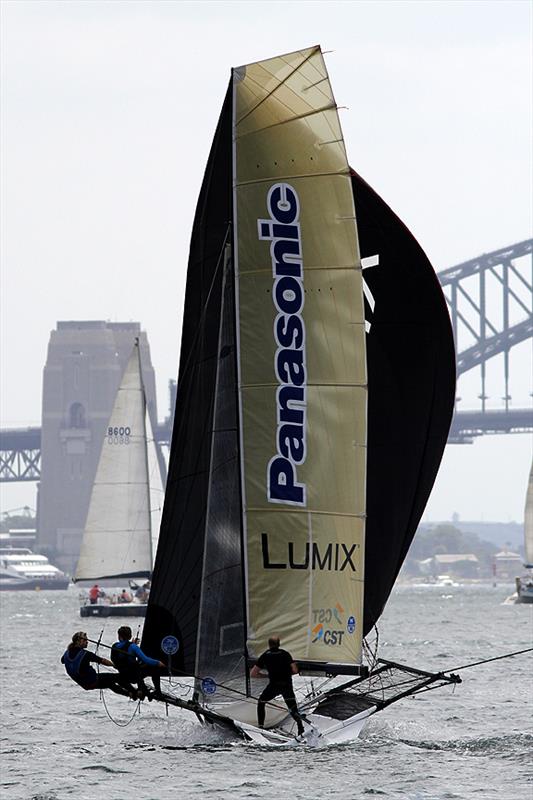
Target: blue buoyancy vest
{"points": [[72, 666]]}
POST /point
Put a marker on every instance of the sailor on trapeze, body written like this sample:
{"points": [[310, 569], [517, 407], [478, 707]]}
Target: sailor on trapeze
{"points": [[280, 667], [133, 665], [77, 660]]}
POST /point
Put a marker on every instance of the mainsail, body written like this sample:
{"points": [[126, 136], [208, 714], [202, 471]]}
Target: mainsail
{"points": [[269, 447], [123, 518], [270, 482]]}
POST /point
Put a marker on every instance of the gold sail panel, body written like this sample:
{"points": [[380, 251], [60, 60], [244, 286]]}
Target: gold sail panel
{"points": [[301, 361]]}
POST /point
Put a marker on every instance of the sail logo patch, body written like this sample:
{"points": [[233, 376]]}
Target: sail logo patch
{"points": [[328, 626], [170, 645], [282, 230], [209, 686]]}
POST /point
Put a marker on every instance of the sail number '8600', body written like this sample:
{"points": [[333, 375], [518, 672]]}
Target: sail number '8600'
{"points": [[118, 434]]}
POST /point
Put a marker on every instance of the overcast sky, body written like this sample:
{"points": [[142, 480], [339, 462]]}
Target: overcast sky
{"points": [[108, 111]]}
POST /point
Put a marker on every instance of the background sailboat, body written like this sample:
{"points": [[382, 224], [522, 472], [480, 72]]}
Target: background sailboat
{"points": [[314, 401], [123, 519], [524, 583]]}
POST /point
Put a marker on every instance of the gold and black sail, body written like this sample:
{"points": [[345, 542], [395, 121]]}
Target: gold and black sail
{"points": [[295, 370]]}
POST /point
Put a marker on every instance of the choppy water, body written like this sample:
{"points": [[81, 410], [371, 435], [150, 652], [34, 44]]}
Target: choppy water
{"points": [[476, 741]]}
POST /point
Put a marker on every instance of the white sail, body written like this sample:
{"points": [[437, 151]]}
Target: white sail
{"points": [[528, 522], [155, 485], [117, 541]]}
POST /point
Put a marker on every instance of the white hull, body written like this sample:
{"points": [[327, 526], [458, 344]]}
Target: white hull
{"points": [[281, 730], [321, 713], [22, 569]]}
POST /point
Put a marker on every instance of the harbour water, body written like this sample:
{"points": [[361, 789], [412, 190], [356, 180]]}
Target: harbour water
{"points": [[473, 741]]}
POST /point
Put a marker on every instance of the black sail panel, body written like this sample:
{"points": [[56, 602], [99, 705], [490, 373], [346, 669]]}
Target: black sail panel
{"points": [[222, 634], [411, 388], [174, 603]]}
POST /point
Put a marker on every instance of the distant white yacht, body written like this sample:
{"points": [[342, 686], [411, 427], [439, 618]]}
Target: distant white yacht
{"points": [[22, 569]]}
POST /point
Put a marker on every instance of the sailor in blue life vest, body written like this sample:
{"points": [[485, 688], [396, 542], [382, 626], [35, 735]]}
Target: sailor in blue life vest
{"points": [[77, 660], [280, 667], [133, 665]]}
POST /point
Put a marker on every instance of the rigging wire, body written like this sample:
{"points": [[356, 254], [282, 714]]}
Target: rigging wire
{"points": [[113, 720], [246, 698], [186, 689], [371, 652], [487, 660], [102, 696]]}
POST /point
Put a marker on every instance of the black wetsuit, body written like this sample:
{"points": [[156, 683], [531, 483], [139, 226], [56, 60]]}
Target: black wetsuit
{"points": [[77, 662], [278, 663]]}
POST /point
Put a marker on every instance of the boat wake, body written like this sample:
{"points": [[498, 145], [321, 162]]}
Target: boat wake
{"points": [[516, 746]]}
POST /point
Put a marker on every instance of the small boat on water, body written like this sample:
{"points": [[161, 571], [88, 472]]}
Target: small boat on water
{"points": [[20, 568], [107, 601], [122, 525], [315, 394], [107, 609], [439, 582], [445, 581]]}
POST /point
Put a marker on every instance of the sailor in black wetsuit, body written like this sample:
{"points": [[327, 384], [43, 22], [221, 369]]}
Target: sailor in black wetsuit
{"points": [[280, 667], [77, 661]]}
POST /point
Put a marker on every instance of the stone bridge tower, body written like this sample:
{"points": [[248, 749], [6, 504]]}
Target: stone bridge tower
{"points": [[81, 377]]}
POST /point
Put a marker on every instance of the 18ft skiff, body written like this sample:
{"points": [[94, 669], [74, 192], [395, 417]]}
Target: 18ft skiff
{"points": [[315, 394]]}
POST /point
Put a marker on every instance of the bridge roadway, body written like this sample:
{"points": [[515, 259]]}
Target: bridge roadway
{"points": [[20, 449]]}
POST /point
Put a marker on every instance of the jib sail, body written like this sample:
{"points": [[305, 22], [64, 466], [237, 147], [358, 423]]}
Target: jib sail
{"points": [[174, 604]]}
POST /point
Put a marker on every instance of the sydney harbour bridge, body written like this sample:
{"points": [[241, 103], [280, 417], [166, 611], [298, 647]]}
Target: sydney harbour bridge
{"points": [[490, 300]]}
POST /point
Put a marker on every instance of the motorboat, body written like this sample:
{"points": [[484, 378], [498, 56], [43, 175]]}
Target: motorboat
{"points": [[20, 568]]}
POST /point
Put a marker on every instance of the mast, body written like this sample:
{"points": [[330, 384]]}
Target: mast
{"points": [[235, 245], [146, 463]]}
